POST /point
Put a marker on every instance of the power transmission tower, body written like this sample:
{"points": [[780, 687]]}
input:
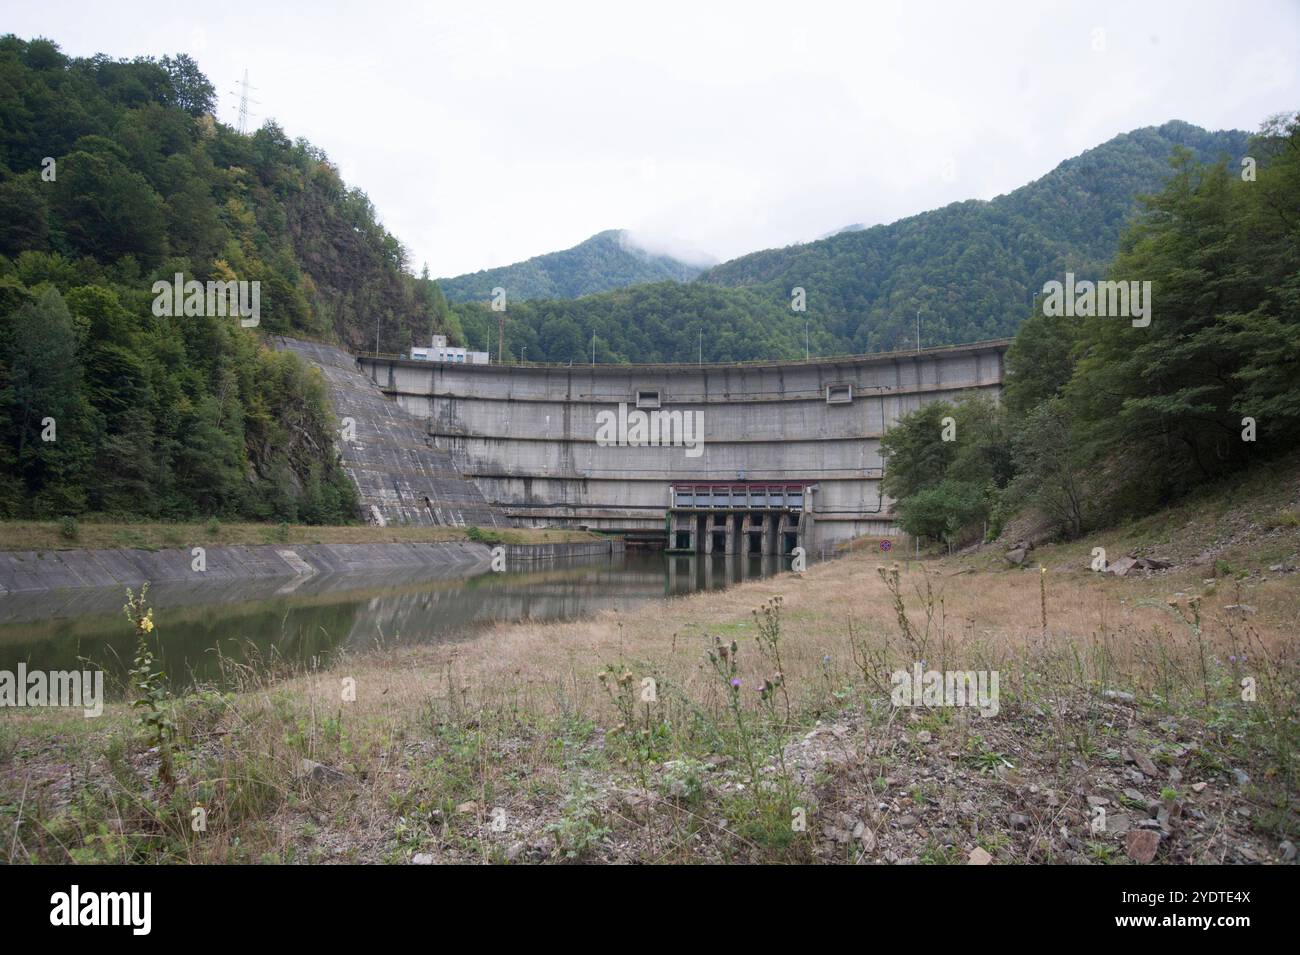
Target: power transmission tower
{"points": [[244, 100]]}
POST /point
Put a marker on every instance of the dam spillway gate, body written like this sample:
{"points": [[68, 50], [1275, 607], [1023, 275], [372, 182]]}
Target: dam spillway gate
{"points": [[739, 518]]}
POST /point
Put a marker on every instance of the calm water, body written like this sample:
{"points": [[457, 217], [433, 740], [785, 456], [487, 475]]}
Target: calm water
{"points": [[268, 623]]}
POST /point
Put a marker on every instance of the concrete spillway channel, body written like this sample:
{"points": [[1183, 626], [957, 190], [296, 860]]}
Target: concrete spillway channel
{"points": [[402, 477]]}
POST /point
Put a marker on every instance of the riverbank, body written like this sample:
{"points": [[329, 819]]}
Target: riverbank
{"points": [[201, 567], [624, 738], [26, 572], [92, 534]]}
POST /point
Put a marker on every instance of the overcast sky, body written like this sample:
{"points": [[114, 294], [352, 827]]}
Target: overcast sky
{"points": [[487, 132]]}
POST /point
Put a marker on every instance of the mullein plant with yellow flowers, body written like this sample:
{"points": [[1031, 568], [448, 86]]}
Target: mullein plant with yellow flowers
{"points": [[149, 687]]}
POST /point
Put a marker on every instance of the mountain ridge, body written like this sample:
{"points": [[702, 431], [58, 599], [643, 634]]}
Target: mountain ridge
{"points": [[606, 261], [970, 268], [1174, 130]]}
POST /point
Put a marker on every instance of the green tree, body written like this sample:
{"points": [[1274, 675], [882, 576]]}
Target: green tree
{"points": [[103, 209], [983, 445], [51, 431], [190, 88], [209, 463], [1160, 407], [942, 511], [24, 215], [1040, 361], [914, 450], [1055, 475]]}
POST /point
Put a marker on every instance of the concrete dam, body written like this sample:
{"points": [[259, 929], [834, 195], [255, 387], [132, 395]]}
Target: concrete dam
{"points": [[754, 457], [401, 476]]}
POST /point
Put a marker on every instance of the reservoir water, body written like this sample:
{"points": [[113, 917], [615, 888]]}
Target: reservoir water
{"points": [[306, 622]]}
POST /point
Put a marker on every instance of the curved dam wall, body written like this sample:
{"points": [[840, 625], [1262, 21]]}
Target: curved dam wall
{"points": [[536, 439]]}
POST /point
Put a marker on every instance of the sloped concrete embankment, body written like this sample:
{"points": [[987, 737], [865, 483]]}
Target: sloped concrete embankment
{"points": [[400, 476], [243, 573], [30, 571]]}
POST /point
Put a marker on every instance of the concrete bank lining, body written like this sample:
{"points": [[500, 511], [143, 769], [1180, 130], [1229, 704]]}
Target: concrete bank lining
{"points": [[36, 571], [27, 571], [561, 551]]}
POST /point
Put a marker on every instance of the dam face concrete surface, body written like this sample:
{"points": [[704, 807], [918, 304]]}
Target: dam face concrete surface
{"points": [[401, 476], [734, 458]]}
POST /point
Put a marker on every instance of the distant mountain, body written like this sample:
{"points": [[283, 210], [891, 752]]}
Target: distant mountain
{"points": [[855, 227], [608, 260], [970, 268]]}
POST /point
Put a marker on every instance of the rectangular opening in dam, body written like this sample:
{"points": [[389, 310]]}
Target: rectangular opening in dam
{"points": [[739, 518]]}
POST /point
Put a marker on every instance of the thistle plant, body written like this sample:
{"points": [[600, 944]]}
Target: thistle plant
{"points": [[768, 619], [618, 685], [639, 741], [917, 641], [872, 661], [149, 687], [1042, 596], [722, 658]]}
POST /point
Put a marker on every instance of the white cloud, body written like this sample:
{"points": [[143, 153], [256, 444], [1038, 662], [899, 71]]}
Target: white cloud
{"points": [[486, 133]]}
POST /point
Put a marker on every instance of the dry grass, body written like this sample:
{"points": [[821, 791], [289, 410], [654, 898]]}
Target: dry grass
{"points": [[517, 721], [988, 611]]}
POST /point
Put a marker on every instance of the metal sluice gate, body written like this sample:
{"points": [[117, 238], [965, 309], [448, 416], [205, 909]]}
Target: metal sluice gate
{"points": [[739, 517]]}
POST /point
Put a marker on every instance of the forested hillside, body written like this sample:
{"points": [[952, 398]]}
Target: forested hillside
{"points": [[113, 174], [608, 260], [970, 268], [1103, 420], [666, 321]]}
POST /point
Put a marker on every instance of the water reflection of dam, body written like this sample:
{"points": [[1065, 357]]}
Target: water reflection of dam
{"points": [[559, 592]]}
